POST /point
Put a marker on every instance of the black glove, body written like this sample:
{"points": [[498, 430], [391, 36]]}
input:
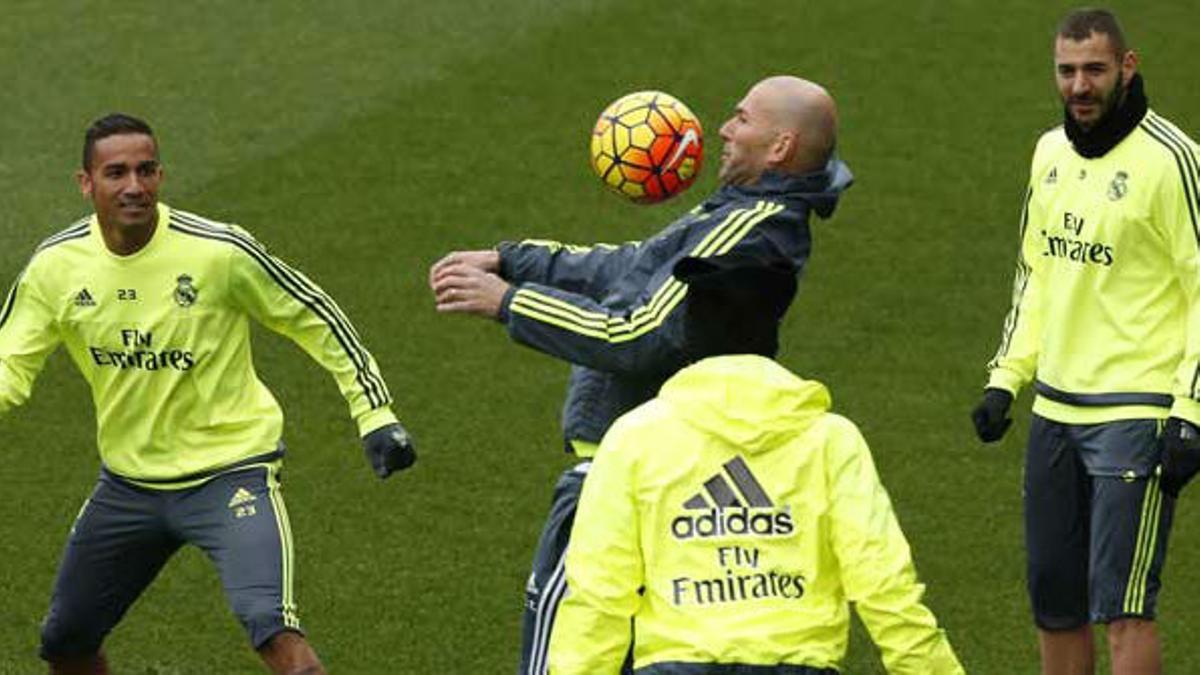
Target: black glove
{"points": [[1181, 454], [389, 448], [991, 415]]}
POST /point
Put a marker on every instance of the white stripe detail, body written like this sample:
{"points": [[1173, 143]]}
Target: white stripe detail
{"points": [[547, 609]]}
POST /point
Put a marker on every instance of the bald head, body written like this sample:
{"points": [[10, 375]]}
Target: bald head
{"points": [[784, 123], [797, 106]]}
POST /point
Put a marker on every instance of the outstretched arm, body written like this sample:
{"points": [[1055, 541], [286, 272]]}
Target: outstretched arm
{"points": [[290, 304], [27, 336], [576, 269]]}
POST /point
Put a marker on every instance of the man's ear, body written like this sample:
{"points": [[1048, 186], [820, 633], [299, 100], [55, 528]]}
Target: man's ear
{"points": [[783, 148], [85, 182], [1129, 64]]}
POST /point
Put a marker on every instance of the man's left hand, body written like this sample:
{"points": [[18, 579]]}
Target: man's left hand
{"points": [[466, 289], [1181, 454], [389, 448]]}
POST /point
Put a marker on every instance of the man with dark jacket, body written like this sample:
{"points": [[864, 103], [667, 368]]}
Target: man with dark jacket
{"points": [[616, 312]]}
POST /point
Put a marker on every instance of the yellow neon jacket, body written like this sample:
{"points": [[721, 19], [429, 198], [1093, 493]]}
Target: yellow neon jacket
{"points": [[163, 339], [752, 516], [1106, 303]]}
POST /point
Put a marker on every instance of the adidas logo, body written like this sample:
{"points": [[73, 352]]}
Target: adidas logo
{"points": [[1052, 178], [732, 502], [84, 299], [242, 496]]}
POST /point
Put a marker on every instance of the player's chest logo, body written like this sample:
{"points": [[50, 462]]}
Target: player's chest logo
{"points": [[84, 298], [1119, 187], [185, 292]]}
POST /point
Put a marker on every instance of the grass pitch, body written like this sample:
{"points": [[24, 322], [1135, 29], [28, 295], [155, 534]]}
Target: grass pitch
{"points": [[361, 140]]}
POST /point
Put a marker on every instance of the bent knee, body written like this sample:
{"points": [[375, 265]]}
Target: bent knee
{"points": [[63, 641]]}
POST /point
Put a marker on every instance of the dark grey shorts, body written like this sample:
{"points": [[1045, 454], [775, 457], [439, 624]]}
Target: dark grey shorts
{"points": [[124, 535], [1096, 521]]}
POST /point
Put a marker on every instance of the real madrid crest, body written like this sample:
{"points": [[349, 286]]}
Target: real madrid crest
{"points": [[185, 292], [1118, 188]]}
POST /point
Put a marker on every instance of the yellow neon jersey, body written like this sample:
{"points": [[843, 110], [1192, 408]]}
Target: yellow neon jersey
{"points": [[752, 517], [162, 338], [1106, 303]]}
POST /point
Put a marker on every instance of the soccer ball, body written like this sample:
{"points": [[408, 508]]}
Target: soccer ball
{"points": [[647, 146]]}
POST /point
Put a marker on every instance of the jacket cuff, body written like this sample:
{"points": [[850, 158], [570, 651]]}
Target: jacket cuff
{"points": [[503, 315], [374, 419], [1006, 380]]}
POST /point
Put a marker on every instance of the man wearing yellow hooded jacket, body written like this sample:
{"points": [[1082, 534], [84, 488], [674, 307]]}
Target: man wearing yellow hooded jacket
{"points": [[734, 517]]}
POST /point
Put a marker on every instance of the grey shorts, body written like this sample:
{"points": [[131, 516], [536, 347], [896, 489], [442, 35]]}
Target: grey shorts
{"points": [[1096, 521], [125, 533]]}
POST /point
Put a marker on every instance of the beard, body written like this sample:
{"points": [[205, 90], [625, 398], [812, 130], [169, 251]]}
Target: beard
{"points": [[1107, 103]]}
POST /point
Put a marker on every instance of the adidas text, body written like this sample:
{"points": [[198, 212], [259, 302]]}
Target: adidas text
{"points": [[734, 521]]}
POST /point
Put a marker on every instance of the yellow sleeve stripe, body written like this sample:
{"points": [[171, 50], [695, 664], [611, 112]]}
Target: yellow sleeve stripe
{"points": [[556, 246], [526, 297], [617, 329]]}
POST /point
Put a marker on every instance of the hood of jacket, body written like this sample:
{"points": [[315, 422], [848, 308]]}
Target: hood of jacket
{"points": [[819, 189], [750, 401]]}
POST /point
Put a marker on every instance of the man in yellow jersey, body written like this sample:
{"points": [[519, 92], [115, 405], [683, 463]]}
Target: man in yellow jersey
{"points": [[153, 304], [614, 312], [734, 517], [1105, 323]]}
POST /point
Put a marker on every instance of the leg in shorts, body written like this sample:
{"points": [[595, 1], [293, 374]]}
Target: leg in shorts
{"points": [[1096, 522], [240, 522], [116, 547], [126, 533]]}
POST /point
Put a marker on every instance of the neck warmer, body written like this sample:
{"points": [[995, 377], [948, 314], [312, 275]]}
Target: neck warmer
{"points": [[1113, 127]]}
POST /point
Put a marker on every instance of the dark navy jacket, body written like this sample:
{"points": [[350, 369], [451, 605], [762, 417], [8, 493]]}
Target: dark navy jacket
{"points": [[616, 312]]}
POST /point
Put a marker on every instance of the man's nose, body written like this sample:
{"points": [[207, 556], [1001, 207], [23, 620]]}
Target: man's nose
{"points": [[133, 184], [1080, 84]]}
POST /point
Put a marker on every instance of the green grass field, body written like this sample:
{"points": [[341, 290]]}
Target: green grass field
{"points": [[362, 140]]}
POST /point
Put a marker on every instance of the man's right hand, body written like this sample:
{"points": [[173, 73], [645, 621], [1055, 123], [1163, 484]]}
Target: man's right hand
{"points": [[991, 415], [484, 261]]}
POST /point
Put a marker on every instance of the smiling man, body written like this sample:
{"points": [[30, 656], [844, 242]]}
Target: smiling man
{"points": [[153, 304], [615, 312], [1105, 323]]}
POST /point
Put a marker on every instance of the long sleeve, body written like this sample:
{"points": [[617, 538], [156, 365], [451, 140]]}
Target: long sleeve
{"points": [[876, 564], [1015, 363], [576, 269], [290, 304], [27, 336], [1178, 214], [636, 326], [604, 570], [645, 337]]}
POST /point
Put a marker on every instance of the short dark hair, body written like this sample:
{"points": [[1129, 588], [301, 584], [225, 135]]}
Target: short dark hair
{"points": [[112, 124], [1081, 23]]}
